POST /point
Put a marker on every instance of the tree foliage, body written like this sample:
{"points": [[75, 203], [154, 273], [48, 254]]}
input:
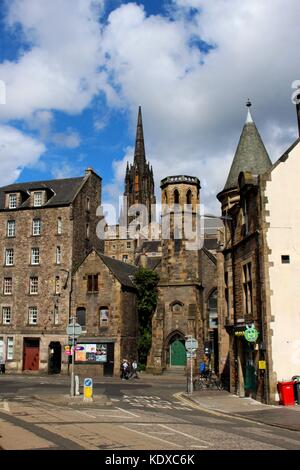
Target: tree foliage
{"points": [[146, 283]]}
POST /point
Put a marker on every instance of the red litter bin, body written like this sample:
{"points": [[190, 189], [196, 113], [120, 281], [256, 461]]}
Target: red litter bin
{"points": [[286, 393]]}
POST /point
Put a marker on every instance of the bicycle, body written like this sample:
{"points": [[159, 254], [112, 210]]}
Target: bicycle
{"points": [[207, 381]]}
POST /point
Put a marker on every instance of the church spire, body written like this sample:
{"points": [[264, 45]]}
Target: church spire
{"points": [[139, 152]]}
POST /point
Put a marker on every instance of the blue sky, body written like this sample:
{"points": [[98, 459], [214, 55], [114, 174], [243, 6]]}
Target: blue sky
{"points": [[76, 70]]}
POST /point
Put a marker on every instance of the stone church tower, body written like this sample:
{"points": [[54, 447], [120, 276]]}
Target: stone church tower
{"points": [[178, 312], [139, 182]]}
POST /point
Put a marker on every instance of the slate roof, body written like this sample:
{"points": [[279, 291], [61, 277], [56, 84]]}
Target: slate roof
{"points": [[61, 192], [210, 243], [251, 155], [151, 246], [124, 272]]}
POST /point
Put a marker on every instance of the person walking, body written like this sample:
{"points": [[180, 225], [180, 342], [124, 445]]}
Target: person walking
{"points": [[134, 367]]}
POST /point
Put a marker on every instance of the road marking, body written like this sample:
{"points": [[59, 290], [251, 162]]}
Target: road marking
{"points": [[125, 411], [114, 399], [149, 435], [183, 433]]}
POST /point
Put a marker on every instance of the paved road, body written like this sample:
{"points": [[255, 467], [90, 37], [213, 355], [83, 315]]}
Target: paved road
{"points": [[127, 416]]}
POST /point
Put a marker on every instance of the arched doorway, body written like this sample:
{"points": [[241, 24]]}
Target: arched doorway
{"points": [[54, 362], [176, 353]]}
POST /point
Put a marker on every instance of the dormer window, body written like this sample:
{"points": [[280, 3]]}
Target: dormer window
{"points": [[12, 201], [37, 199]]}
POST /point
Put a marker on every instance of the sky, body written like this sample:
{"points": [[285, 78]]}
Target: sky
{"points": [[75, 72]]}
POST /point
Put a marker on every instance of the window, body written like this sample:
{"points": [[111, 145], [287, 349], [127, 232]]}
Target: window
{"points": [[57, 285], [285, 259], [81, 318], [128, 244], [35, 256], [87, 203], [58, 255], [227, 294], [59, 226], [246, 217], [10, 348], [87, 230], [177, 307], [125, 258], [6, 315], [213, 309], [247, 288], [32, 315], [189, 197], [92, 283], [36, 227], [33, 285], [12, 201], [9, 257], [7, 286], [11, 228], [56, 315], [103, 316], [37, 199], [176, 196]]}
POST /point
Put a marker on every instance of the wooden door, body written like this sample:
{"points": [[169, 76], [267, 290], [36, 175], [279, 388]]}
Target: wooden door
{"points": [[31, 355], [177, 353]]}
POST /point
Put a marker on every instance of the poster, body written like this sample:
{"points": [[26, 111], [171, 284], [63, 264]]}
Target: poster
{"points": [[91, 353]]}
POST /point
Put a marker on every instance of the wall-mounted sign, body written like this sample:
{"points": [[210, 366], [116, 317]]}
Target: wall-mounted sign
{"points": [[91, 352], [251, 333], [262, 364]]}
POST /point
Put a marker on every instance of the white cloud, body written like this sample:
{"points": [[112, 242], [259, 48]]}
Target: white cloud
{"points": [[16, 151], [61, 68], [193, 104]]}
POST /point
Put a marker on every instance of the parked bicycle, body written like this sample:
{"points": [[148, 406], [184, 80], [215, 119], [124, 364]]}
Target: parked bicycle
{"points": [[207, 381]]}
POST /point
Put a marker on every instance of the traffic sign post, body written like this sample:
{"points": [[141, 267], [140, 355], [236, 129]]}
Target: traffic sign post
{"points": [[191, 345], [74, 330], [88, 389]]}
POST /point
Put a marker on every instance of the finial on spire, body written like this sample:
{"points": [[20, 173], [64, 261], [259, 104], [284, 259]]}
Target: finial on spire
{"points": [[249, 117]]}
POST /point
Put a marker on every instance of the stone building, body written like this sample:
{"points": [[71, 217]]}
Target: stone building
{"points": [[104, 301], [46, 228], [187, 279], [257, 269]]}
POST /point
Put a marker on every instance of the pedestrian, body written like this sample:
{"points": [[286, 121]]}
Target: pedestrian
{"points": [[124, 369], [2, 364], [134, 367]]}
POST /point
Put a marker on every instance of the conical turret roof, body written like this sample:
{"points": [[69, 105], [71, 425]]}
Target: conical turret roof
{"points": [[251, 154]]}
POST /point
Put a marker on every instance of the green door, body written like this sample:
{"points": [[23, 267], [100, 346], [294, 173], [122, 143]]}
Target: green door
{"points": [[177, 354]]}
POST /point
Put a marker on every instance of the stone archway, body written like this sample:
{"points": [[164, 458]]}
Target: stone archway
{"points": [[54, 358], [175, 350]]}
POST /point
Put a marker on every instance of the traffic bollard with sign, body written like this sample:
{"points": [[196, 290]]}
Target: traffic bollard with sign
{"points": [[88, 389]]}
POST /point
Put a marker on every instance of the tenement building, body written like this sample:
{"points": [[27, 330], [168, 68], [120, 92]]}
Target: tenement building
{"points": [[46, 229], [258, 294]]}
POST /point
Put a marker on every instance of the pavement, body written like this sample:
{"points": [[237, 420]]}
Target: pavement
{"points": [[223, 403]]}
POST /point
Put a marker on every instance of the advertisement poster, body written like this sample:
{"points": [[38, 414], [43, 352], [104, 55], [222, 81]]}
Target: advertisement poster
{"points": [[91, 353]]}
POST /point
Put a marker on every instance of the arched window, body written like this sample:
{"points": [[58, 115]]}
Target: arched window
{"points": [[212, 309], [103, 316], [176, 196], [165, 197], [81, 317], [176, 307], [189, 197]]}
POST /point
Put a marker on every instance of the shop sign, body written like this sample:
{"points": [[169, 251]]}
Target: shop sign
{"points": [[262, 364], [251, 334]]}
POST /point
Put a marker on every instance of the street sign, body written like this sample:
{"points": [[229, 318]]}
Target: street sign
{"points": [[88, 389], [191, 344], [79, 348], [74, 330], [190, 355]]}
